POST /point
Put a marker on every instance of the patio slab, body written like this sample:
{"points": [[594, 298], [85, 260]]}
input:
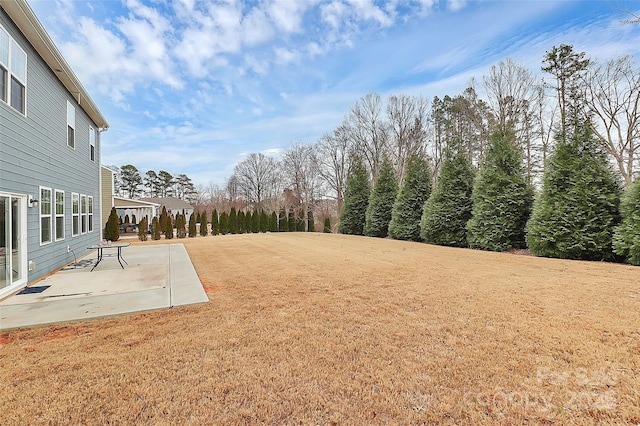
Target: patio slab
{"points": [[156, 277]]}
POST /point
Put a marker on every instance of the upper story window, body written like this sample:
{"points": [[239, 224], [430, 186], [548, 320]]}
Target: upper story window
{"points": [[13, 72], [71, 125], [92, 144]]}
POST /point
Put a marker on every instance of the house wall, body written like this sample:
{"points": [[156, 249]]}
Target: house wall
{"points": [[34, 153]]}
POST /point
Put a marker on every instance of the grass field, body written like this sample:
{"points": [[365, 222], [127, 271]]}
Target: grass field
{"points": [[331, 329]]}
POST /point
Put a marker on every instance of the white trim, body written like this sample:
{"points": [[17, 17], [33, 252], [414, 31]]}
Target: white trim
{"points": [[75, 197], [12, 47], [71, 125], [83, 214], [41, 205], [22, 225], [57, 215], [90, 213], [92, 144]]}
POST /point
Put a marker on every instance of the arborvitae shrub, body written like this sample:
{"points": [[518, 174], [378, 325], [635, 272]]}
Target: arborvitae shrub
{"points": [[168, 230], [300, 223], [311, 224], [383, 195], [241, 223], [327, 225], [215, 223], [155, 229], [626, 238], [112, 228], [181, 223], [356, 200], [233, 221], [255, 222], [502, 199], [448, 209], [163, 219], [407, 208], [283, 224], [126, 218], [133, 219], [273, 222], [143, 227], [577, 210], [291, 220], [224, 223], [203, 224], [192, 225], [264, 221]]}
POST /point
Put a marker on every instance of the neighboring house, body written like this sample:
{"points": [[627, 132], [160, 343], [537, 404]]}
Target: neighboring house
{"points": [[49, 154], [173, 206], [124, 206]]}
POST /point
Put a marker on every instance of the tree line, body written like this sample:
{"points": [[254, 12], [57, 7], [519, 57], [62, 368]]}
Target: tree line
{"points": [[130, 183]]}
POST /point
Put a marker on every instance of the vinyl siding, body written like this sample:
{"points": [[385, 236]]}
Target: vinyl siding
{"points": [[34, 152]]}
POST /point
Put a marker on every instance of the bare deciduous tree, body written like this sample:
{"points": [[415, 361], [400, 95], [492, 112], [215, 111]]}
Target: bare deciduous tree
{"points": [[255, 178], [407, 116], [368, 131], [612, 93], [333, 154]]}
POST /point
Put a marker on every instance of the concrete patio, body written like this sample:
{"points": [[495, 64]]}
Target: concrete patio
{"points": [[156, 277]]}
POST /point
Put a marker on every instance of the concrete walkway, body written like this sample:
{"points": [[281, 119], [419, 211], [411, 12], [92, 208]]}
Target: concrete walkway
{"points": [[156, 277]]}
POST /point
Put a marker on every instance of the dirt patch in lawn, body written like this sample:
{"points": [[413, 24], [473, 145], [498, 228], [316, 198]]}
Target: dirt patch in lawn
{"points": [[322, 329]]}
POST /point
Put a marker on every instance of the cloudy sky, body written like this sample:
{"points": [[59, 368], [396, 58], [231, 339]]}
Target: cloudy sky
{"points": [[193, 86]]}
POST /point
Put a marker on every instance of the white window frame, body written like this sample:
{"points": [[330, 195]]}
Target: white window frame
{"points": [[92, 144], [59, 214], [75, 214], [71, 125], [83, 214], [44, 215], [90, 214], [11, 55]]}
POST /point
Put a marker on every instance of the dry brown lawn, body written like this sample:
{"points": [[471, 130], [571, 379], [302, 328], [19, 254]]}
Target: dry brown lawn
{"points": [[331, 329]]}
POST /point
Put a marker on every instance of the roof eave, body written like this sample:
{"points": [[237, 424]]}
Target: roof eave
{"points": [[21, 14]]}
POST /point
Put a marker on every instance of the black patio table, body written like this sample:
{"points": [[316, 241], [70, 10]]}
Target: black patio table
{"points": [[101, 247]]}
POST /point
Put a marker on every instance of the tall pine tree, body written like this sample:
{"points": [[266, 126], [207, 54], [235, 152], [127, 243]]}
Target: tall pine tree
{"points": [[502, 199], [356, 200], [383, 195], [577, 210], [448, 209], [407, 208]]}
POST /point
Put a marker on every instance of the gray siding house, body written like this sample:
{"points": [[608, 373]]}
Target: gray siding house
{"points": [[49, 154]]}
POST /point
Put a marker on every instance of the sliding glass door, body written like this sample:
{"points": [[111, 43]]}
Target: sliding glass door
{"points": [[13, 250]]}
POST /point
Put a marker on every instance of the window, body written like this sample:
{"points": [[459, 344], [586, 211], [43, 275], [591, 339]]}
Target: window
{"points": [[92, 144], [59, 215], [45, 215], [75, 214], [90, 224], [83, 211], [13, 72], [4, 63], [71, 125]]}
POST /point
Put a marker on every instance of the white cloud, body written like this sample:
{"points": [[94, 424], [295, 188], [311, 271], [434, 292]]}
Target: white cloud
{"points": [[285, 56], [367, 11], [456, 5]]}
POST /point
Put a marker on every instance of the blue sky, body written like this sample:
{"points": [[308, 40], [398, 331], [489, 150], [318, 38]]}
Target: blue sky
{"points": [[193, 86]]}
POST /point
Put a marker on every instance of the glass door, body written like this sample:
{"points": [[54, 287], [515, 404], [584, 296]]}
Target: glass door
{"points": [[13, 271]]}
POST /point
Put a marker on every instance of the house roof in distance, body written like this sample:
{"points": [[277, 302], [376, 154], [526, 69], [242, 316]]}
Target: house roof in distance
{"points": [[171, 203], [25, 19]]}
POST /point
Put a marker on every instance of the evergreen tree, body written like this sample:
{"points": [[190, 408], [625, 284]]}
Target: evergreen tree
{"points": [[224, 223], [126, 218], [626, 238], [502, 199], [356, 200], [215, 222], [311, 224], [133, 219], [448, 209], [383, 195], [233, 221], [327, 225], [291, 220], [192, 226], [248, 222], [577, 210], [255, 222], [168, 228], [143, 227], [300, 222], [112, 228], [181, 223], [241, 223], [283, 224], [163, 219], [273, 223], [407, 209], [155, 229], [203, 224], [264, 221]]}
